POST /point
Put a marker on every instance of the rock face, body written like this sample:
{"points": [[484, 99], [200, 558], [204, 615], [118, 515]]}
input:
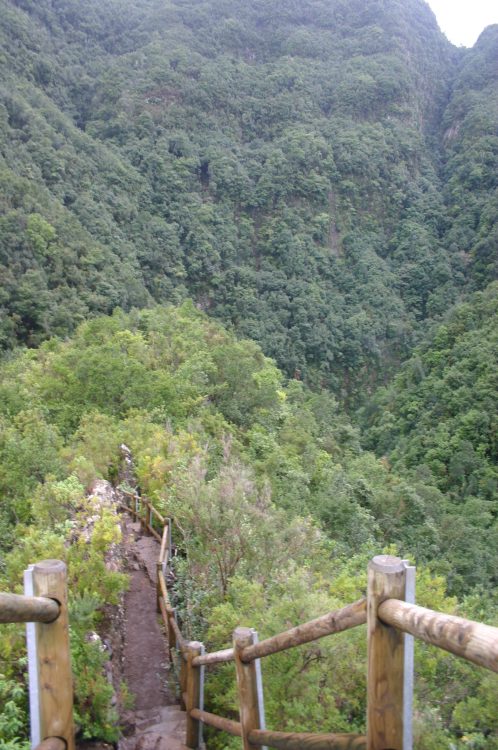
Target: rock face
{"points": [[126, 472]]}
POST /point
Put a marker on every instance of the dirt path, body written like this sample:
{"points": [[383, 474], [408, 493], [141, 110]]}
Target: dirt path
{"points": [[144, 654], [155, 722], [145, 661]]}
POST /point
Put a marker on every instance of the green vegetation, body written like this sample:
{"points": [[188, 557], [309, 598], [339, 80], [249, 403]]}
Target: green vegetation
{"points": [[471, 162], [437, 420], [58, 528], [249, 466], [321, 178], [294, 170]]}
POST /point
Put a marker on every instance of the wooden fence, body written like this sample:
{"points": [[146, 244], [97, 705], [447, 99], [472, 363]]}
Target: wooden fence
{"points": [[389, 619]]}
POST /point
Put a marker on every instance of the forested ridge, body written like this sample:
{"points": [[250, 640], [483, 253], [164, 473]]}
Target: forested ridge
{"points": [[321, 176], [257, 243]]}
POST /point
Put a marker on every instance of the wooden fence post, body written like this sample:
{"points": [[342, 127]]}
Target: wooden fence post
{"points": [[183, 679], [193, 693], [171, 635], [386, 580], [51, 695], [247, 683]]}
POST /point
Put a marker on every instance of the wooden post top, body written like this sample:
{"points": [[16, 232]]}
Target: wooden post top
{"points": [[386, 564], [50, 566], [242, 634], [50, 578]]}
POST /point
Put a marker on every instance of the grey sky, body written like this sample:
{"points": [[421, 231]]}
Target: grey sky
{"points": [[463, 20]]}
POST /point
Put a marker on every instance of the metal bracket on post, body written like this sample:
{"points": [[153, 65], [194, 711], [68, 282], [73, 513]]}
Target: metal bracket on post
{"points": [[409, 663], [33, 676], [259, 688], [168, 566]]}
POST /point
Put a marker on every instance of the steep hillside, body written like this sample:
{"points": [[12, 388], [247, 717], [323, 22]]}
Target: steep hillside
{"points": [[321, 178], [470, 138], [437, 420], [279, 163], [277, 510]]}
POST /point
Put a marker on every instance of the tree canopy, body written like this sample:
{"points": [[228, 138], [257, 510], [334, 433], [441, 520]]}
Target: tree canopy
{"points": [[305, 174]]}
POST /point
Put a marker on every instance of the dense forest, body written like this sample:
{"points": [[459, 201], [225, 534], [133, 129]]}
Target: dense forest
{"points": [[257, 242], [321, 176]]}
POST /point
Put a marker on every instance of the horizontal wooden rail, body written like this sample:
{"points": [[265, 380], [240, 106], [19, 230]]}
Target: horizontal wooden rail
{"points": [[181, 643], [52, 743], [146, 521], [297, 741], [333, 622], [147, 504], [152, 531], [168, 614], [129, 509], [215, 657], [163, 591], [218, 722], [164, 612], [470, 640], [156, 513], [180, 640], [18, 608]]}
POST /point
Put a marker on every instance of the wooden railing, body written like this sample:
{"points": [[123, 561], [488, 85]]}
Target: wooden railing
{"points": [[44, 609], [388, 618]]}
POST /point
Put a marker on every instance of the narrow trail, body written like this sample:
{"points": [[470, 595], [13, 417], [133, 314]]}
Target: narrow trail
{"points": [[155, 722], [145, 659]]}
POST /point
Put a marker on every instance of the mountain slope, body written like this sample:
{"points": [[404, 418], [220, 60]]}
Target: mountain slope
{"points": [[470, 139], [437, 420], [277, 162]]}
